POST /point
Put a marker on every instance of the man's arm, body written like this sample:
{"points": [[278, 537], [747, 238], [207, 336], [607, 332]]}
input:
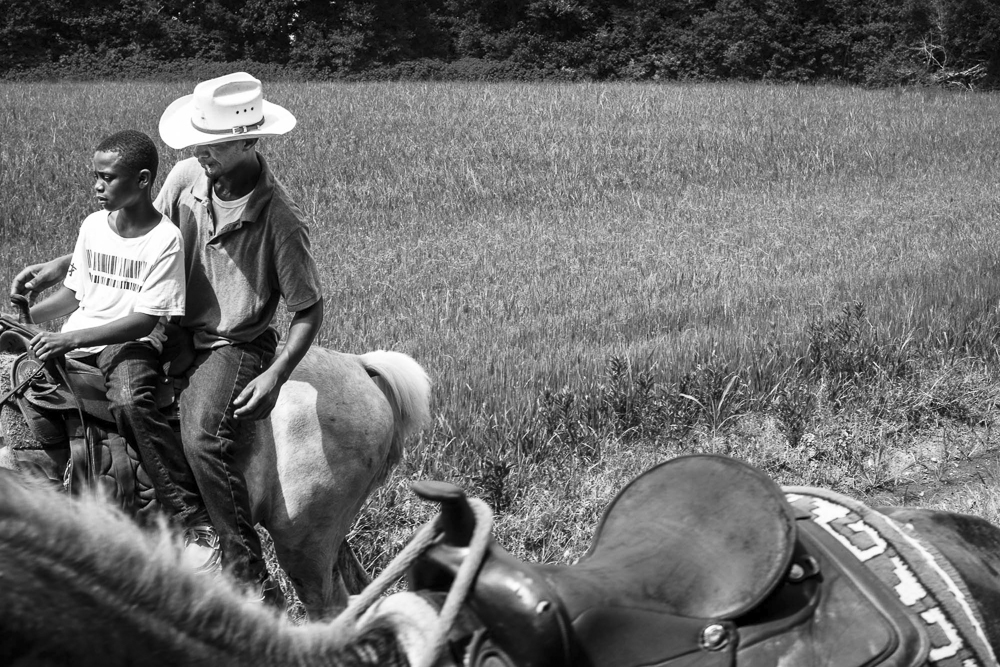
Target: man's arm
{"points": [[258, 398], [131, 327], [39, 277]]}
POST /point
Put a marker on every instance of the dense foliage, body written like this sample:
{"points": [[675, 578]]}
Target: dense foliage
{"points": [[869, 42]]}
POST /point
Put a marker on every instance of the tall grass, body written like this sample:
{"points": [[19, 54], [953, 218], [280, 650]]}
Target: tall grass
{"points": [[551, 252]]}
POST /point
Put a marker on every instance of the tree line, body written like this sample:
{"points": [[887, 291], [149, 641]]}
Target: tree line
{"points": [[866, 42]]}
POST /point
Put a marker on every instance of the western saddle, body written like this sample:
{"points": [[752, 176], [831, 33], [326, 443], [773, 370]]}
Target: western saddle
{"points": [[699, 561]]}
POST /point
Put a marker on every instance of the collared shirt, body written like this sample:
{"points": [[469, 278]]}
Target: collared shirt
{"points": [[236, 274]]}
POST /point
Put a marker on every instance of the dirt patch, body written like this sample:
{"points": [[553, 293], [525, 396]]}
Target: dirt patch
{"points": [[939, 467], [941, 483]]}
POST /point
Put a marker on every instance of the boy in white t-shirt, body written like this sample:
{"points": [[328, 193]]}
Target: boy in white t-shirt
{"points": [[125, 280]]}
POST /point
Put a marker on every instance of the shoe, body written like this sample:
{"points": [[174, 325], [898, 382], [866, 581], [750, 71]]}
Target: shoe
{"points": [[202, 551], [270, 593]]}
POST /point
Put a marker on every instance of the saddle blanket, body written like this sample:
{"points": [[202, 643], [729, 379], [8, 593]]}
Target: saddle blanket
{"points": [[921, 577]]}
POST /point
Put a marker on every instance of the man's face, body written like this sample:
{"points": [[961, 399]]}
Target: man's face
{"points": [[114, 185], [219, 159]]}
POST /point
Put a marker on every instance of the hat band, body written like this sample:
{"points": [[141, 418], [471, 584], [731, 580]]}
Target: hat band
{"points": [[239, 129]]}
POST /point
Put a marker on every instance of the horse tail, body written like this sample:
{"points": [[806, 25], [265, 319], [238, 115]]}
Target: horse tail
{"points": [[408, 389]]}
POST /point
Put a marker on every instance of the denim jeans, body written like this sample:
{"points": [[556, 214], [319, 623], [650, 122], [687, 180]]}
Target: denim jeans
{"points": [[131, 371], [215, 442]]}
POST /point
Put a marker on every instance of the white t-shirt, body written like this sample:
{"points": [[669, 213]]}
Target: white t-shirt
{"points": [[228, 212], [115, 276]]}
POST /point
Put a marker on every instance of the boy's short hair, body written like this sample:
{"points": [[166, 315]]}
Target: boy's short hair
{"points": [[135, 150]]}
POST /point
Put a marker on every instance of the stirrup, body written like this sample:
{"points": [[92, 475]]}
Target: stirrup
{"points": [[202, 550]]}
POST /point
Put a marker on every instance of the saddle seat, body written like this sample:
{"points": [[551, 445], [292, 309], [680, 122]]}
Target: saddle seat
{"points": [[692, 542], [698, 536], [700, 561]]}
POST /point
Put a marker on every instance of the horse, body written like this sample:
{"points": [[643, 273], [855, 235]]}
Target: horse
{"points": [[335, 433], [81, 584]]}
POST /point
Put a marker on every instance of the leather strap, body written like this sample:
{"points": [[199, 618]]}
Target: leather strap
{"points": [[20, 387], [76, 472], [121, 470]]}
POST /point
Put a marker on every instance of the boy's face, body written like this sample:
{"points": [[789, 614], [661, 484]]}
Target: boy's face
{"points": [[114, 184]]}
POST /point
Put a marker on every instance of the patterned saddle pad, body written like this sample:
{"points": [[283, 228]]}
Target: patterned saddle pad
{"points": [[923, 580]]}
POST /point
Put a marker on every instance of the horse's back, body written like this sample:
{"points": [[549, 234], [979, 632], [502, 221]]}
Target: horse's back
{"points": [[972, 545]]}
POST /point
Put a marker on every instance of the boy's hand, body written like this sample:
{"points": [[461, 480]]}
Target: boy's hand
{"points": [[48, 344], [37, 278]]}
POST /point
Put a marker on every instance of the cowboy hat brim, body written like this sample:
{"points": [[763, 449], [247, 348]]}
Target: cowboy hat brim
{"points": [[177, 131]]}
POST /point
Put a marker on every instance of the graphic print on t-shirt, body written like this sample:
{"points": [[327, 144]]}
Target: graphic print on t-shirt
{"points": [[114, 271]]}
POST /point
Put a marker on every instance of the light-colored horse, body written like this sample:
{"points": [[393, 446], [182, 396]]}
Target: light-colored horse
{"points": [[334, 435], [81, 584]]}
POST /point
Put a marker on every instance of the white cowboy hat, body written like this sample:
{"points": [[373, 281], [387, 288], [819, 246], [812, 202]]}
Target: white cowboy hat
{"points": [[223, 109]]}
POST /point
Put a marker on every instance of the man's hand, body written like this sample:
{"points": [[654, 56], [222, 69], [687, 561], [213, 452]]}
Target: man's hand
{"points": [[39, 277], [259, 396], [48, 344]]}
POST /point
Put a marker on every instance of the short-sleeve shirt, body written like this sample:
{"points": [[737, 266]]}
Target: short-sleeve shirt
{"points": [[237, 274], [114, 276]]}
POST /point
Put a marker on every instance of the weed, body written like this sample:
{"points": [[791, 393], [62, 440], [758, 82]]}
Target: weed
{"points": [[632, 399], [795, 407], [718, 393]]}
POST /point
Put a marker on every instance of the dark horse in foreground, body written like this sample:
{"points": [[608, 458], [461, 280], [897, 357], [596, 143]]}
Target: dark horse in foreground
{"points": [[82, 585], [702, 560]]}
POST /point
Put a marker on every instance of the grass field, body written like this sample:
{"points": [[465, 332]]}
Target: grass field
{"points": [[672, 263]]}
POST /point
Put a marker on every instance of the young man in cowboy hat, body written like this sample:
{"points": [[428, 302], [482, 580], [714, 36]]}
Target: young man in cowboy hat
{"points": [[246, 247]]}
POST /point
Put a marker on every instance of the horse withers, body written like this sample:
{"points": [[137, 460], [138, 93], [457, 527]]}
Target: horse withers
{"points": [[335, 433]]}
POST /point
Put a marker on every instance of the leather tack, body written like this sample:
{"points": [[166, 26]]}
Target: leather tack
{"points": [[714, 637], [802, 569]]}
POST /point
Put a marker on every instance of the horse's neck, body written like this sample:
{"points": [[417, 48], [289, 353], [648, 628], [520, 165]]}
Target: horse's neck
{"points": [[80, 584], [90, 630]]}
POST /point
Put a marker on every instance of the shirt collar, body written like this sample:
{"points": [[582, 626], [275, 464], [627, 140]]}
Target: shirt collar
{"points": [[259, 197]]}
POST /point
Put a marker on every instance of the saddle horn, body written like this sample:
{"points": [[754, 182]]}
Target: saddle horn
{"points": [[23, 307], [458, 519]]}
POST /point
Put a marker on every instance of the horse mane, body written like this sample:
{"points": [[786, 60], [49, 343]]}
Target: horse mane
{"points": [[81, 584]]}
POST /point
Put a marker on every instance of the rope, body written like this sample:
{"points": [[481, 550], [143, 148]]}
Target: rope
{"points": [[346, 624], [467, 572]]}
